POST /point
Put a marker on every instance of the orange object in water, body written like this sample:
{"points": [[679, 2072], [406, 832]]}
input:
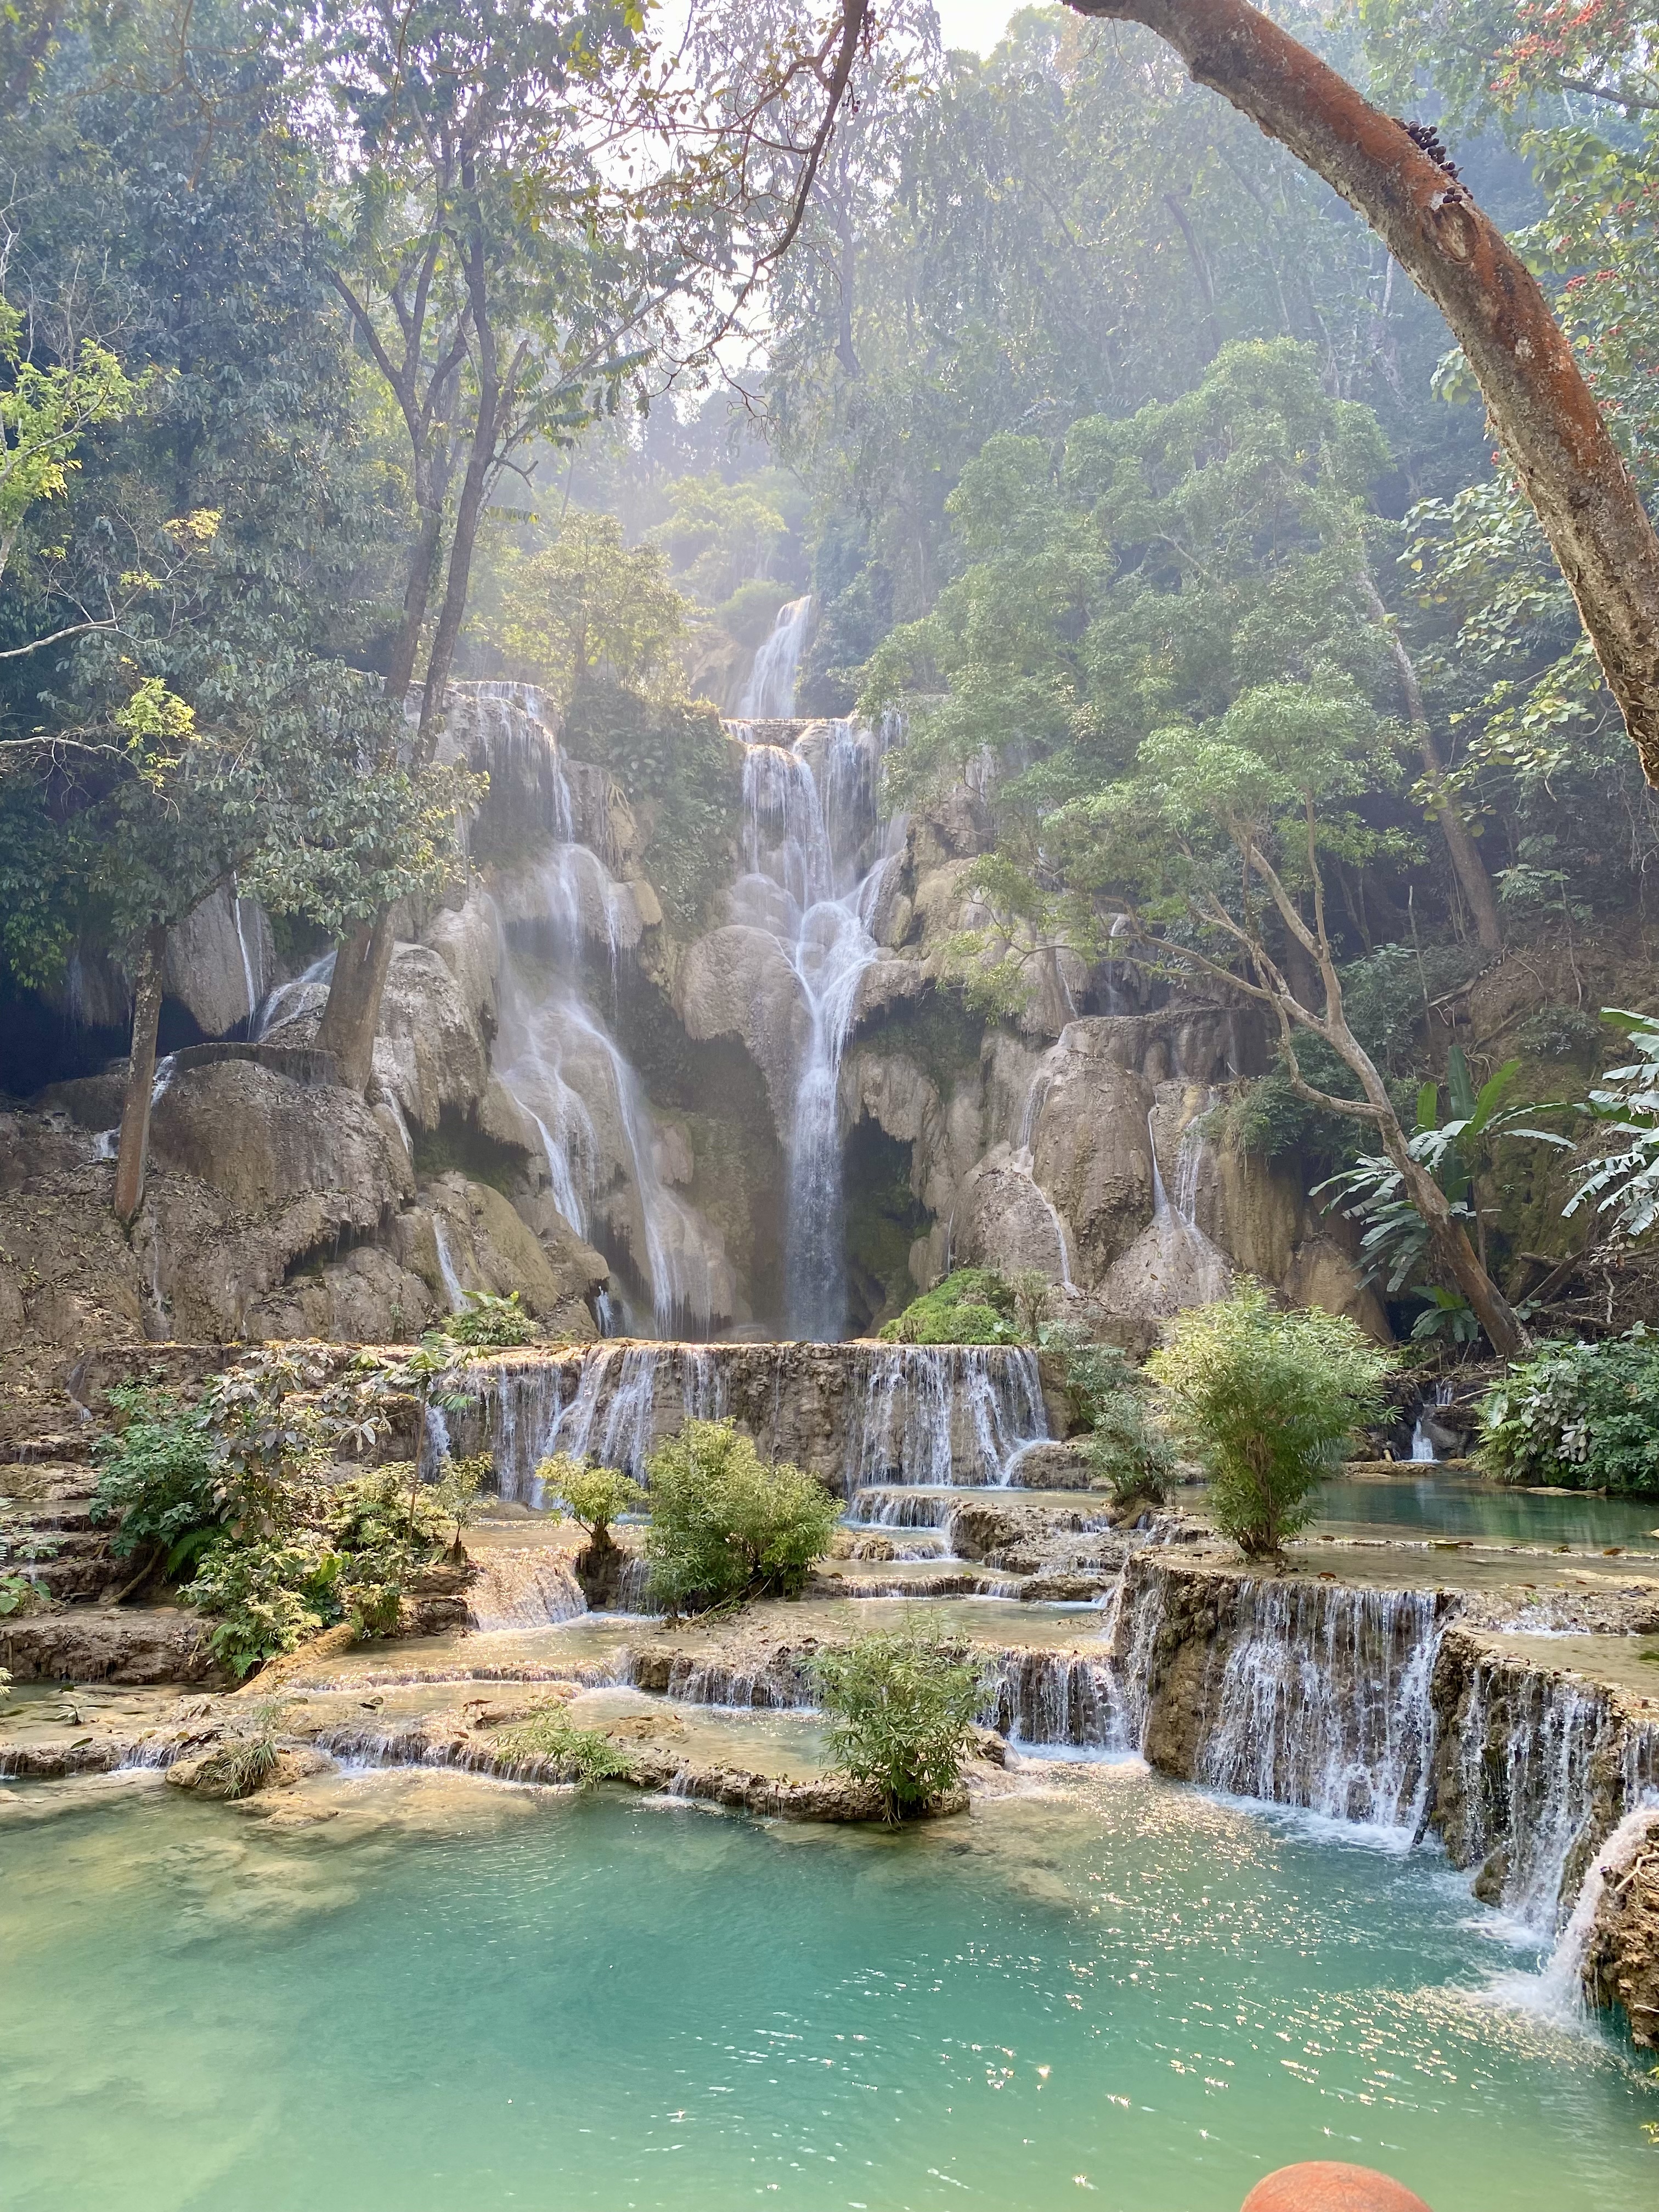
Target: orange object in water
{"points": [[1325, 2185]]}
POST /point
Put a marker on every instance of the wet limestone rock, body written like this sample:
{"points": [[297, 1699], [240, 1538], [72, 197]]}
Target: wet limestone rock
{"points": [[1091, 1152], [107, 1644], [68, 1276], [1621, 1965], [429, 1052], [255, 1173], [219, 960], [492, 1248], [737, 983]]}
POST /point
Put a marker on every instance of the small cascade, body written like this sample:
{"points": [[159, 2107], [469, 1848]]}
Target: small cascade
{"points": [[1529, 1751], [1057, 1698], [805, 831], [770, 695], [939, 1415], [1023, 1160], [453, 1289], [1422, 1451], [529, 1589], [626, 1396], [250, 982], [1195, 1272], [289, 999], [1558, 1991], [1323, 1702], [777, 1685]]}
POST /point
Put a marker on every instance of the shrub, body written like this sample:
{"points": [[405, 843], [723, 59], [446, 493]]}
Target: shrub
{"points": [[903, 1704], [1266, 1400], [591, 1496], [582, 1755], [266, 1596], [490, 1321], [1128, 1452], [724, 1525], [1034, 1296], [158, 1476], [974, 1305], [1578, 1416]]}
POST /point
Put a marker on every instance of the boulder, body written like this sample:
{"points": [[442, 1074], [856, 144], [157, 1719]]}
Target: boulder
{"points": [[429, 1054], [1092, 1150], [467, 939], [489, 1247]]}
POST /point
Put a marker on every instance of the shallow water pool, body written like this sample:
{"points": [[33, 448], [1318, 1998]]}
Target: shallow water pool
{"points": [[451, 1993]]}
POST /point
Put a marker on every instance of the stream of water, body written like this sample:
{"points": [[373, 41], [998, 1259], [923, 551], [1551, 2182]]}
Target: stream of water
{"points": [[447, 1993]]}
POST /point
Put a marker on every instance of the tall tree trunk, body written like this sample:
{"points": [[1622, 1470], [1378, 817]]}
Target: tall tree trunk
{"points": [[1540, 406], [1466, 863], [353, 1013], [141, 1076]]}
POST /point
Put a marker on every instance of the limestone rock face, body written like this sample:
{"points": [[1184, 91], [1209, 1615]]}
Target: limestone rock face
{"points": [[737, 982], [1093, 1152], [220, 961], [1005, 1221], [466, 940], [428, 1052], [254, 1173], [68, 1276], [1621, 1966], [368, 1297], [490, 1247]]}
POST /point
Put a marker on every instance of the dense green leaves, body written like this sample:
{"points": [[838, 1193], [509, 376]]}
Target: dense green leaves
{"points": [[1579, 1416], [726, 1525], [902, 1704]]}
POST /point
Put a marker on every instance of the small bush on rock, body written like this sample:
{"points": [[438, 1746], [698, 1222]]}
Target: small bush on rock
{"points": [[159, 1477], [1266, 1399], [903, 1706], [581, 1755], [975, 1305], [1578, 1416], [726, 1525], [591, 1496], [492, 1323]]}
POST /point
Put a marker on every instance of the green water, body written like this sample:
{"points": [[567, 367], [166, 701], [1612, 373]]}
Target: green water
{"points": [[453, 1994], [1450, 1505]]}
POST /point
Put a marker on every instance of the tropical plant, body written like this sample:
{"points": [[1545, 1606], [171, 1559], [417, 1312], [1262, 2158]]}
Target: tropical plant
{"points": [[264, 1596], [1625, 1183], [21, 1551], [591, 1496], [1578, 1416], [486, 1321], [158, 1476], [458, 1496], [581, 1755], [1128, 1452], [384, 1527], [903, 1704], [1266, 1399], [1395, 1241], [726, 1525], [1034, 1299]]}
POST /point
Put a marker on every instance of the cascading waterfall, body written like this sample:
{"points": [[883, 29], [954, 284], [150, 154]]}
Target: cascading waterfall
{"points": [[1023, 1160], [453, 1288], [523, 1590], [625, 1395], [249, 983], [1323, 1702], [939, 1415], [554, 1053], [1193, 1268], [802, 844], [770, 695]]}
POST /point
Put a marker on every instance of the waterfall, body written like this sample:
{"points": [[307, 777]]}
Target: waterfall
{"points": [[555, 1056], [802, 846], [529, 1589], [248, 982], [1192, 1268], [1323, 1702], [625, 1397], [1559, 1990], [453, 1289], [935, 1415], [285, 1000], [770, 695], [1023, 1161]]}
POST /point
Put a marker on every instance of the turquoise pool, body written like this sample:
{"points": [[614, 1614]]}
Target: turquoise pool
{"points": [[448, 1994]]}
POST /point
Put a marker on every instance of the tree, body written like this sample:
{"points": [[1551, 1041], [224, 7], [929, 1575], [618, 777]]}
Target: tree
{"points": [[593, 1497], [497, 165], [903, 1704], [724, 1525], [1268, 1400], [587, 608], [1542, 408]]}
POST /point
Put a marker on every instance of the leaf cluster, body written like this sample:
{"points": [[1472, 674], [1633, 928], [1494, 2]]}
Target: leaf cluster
{"points": [[724, 1525], [903, 1704], [1578, 1416]]}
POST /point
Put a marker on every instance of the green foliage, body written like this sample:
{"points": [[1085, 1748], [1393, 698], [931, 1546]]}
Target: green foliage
{"points": [[674, 763], [588, 608], [245, 1762], [21, 1551], [158, 1475], [385, 1526], [581, 1755], [1034, 1299], [456, 1492], [1458, 1153], [719, 537], [491, 1322], [724, 1525], [903, 1705], [1625, 1183], [264, 1596], [1266, 1399], [1127, 1451], [1578, 1416], [972, 1306], [593, 1497]]}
